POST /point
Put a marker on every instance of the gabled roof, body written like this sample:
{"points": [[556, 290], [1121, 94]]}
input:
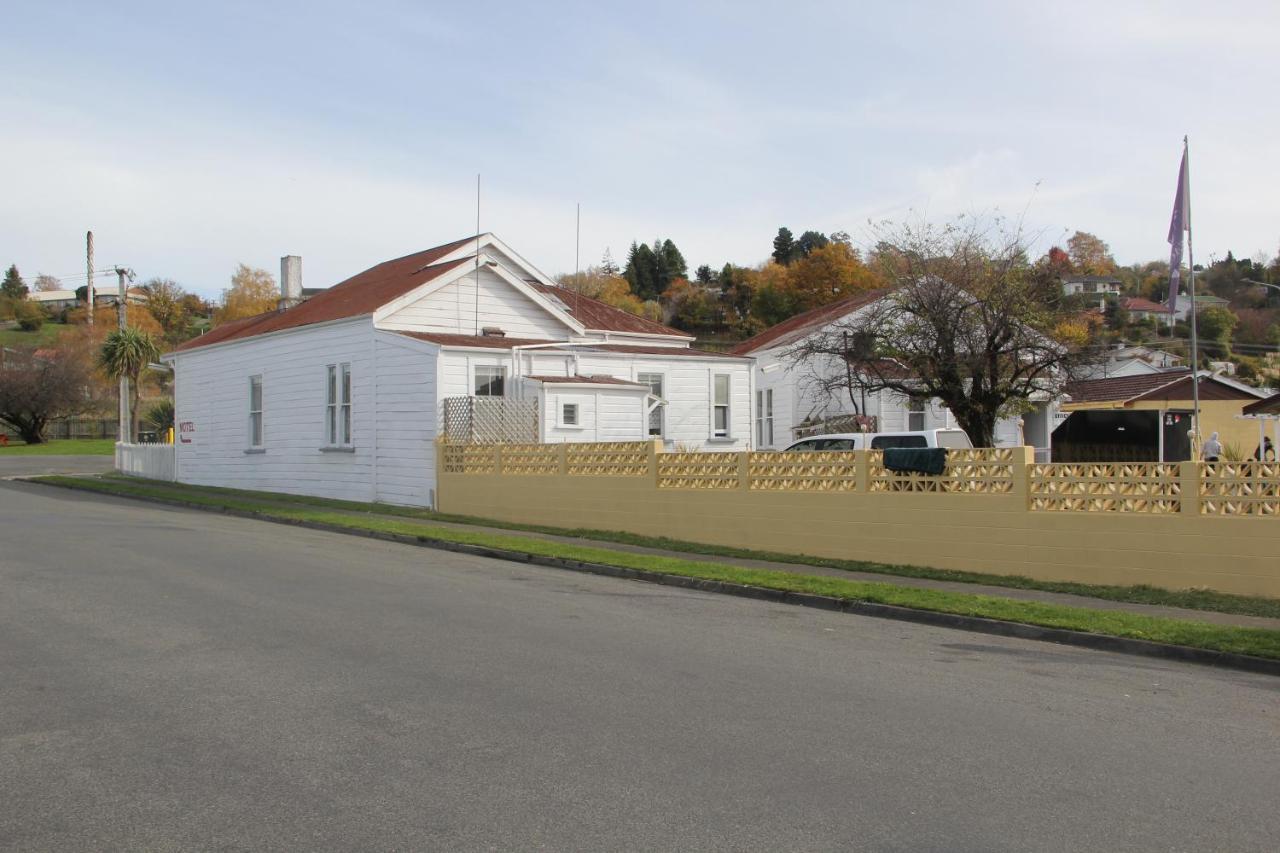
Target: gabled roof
{"points": [[597, 316], [363, 293], [792, 330], [1166, 385]]}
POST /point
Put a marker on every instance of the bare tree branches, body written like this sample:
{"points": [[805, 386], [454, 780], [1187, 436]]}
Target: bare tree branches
{"points": [[38, 385], [967, 319]]}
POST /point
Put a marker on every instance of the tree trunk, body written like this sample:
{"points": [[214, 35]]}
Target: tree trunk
{"points": [[133, 410], [31, 431], [980, 427]]}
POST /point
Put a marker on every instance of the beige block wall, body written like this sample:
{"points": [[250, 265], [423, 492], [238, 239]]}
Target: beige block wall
{"points": [[976, 532]]}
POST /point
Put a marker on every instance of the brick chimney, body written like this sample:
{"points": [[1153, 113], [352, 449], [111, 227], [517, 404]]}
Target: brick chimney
{"points": [[290, 281]]}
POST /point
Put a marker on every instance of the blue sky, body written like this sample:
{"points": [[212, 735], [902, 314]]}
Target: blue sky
{"points": [[191, 137]]}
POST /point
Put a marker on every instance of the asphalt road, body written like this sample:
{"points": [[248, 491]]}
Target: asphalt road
{"points": [[174, 680]]}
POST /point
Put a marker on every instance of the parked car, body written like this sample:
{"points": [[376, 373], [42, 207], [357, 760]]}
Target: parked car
{"points": [[954, 438]]}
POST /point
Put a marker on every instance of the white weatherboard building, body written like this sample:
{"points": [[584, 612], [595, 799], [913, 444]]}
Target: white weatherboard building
{"points": [[785, 401], [344, 394]]}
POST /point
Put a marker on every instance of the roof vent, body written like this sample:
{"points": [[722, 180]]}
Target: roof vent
{"points": [[492, 332]]}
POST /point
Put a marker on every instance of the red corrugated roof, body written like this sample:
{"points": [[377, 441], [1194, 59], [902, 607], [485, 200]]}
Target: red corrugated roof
{"points": [[1166, 385], [1119, 388], [585, 380], [596, 315], [1269, 406], [361, 294], [1137, 303], [789, 331]]}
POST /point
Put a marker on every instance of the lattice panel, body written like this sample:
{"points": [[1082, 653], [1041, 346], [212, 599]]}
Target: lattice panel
{"points": [[530, 459], [1240, 488], [697, 471], [1150, 487], [468, 459], [490, 420], [980, 470], [802, 472], [608, 458]]}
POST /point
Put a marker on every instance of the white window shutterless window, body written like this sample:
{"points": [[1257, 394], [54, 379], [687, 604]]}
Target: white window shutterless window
{"points": [[720, 405], [490, 381], [915, 414], [255, 411], [337, 413], [764, 418], [569, 414], [654, 381]]}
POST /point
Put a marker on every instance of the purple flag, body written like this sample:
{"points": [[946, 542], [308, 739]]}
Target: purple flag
{"points": [[1177, 224]]}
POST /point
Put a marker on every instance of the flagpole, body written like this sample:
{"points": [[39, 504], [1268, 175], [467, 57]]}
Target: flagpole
{"points": [[1191, 288]]}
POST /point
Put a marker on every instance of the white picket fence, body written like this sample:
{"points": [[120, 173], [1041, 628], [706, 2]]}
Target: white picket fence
{"points": [[153, 461]]}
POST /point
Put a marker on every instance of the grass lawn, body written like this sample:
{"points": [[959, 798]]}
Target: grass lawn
{"points": [[1191, 599], [1248, 641], [62, 447], [46, 334]]}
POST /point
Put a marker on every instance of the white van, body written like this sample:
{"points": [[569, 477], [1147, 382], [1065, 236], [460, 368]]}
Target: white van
{"points": [[953, 438]]}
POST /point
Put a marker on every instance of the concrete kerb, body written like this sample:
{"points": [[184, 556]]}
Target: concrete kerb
{"points": [[974, 624]]}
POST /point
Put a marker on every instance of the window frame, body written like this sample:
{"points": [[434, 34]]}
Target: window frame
{"points": [[645, 377], [564, 407], [726, 432], [922, 412], [339, 408], [764, 417], [501, 375], [257, 425]]}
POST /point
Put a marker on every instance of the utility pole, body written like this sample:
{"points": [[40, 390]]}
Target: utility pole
{"points": [[88, 239], [125, 432], [577, 238]]}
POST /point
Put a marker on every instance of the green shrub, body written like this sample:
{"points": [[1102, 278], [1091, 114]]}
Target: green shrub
{"points": [[30, 316], [159, 415]]}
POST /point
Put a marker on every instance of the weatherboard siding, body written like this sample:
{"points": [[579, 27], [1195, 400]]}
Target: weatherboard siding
{"points": [[407, 421], [452, 310], [213, 397]]}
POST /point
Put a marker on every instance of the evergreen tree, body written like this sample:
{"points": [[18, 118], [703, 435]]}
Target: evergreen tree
{"points": [[674, 261], [13, 287], [607, 266], [784, 246], [640, 272], [704, 275], [809, 241]]}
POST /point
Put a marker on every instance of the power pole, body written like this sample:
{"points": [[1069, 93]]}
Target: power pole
{"points": [[88, 239], [125, 432]]}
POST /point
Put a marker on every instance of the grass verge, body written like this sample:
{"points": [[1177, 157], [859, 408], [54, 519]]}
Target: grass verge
{"points": [[63, 447], [1190, 599], [1246, 641]]}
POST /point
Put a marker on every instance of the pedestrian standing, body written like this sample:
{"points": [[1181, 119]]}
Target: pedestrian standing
{"points": [[1212, 449]]}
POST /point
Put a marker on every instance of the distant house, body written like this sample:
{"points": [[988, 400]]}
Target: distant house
{"points": [[1094, 288], [1148, 417], [345, 393], [787, 407], [1144, 309], [1125, 360], [111, 297], [53, 298], [1203, 301]]}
